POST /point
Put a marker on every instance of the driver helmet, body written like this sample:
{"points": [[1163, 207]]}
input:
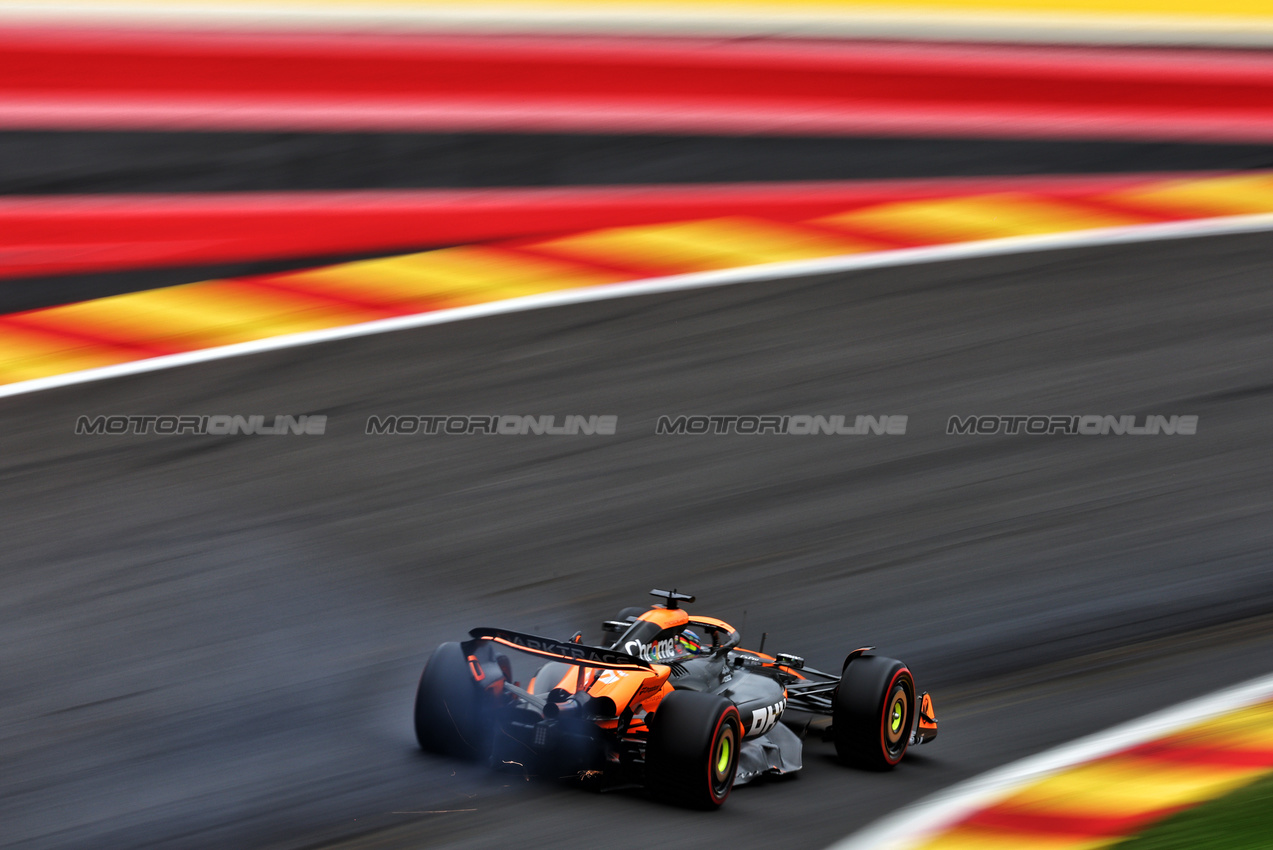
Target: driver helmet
{"points": [[690, 643]]}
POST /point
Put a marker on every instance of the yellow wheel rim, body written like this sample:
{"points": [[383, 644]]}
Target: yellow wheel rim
{"points": [[722, 757]]}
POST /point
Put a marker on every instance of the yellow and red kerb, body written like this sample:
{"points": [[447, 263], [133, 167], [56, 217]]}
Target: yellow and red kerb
{"points": [[136, 326], [1103, 802]]}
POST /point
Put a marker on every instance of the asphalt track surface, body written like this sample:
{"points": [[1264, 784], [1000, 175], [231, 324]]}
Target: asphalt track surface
{"points": [[61, 162], [214, 642]]}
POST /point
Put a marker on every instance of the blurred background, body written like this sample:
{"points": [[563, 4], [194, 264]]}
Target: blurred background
{"points": [[214, 642]]}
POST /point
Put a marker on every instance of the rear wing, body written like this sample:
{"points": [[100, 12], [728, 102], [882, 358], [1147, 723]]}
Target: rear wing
{"points": [[571, 653]]}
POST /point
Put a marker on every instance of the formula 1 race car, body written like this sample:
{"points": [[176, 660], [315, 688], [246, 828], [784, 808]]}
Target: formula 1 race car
{"points": [[672, 704]]}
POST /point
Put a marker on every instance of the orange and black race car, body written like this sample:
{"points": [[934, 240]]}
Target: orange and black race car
{"points": [[672, 704]]}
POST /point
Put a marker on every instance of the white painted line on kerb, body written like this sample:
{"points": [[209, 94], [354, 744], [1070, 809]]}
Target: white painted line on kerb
{"points": [[675, 283], [911, 825]]}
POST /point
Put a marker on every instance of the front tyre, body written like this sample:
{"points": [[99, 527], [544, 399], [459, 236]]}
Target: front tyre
{"points": [[692, 755], [874, 710], [452, 713]]}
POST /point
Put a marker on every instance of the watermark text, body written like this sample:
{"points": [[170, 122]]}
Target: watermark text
{"points": [[507, 425], [797, 425], [1086, 425], [222, 424]]}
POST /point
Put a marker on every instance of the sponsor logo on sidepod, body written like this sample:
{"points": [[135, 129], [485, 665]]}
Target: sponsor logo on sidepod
{"points": [[764, 719]]}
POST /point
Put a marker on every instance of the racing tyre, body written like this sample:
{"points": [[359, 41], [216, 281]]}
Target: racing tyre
{"points": [[874, 710], [692, 754], [452, 713]]}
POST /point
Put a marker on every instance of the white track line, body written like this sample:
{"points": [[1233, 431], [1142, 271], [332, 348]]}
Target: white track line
{"points": [[911, 825], [676, 283]]}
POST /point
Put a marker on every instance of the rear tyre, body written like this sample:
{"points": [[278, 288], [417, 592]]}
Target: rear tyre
{"points": [[874, 710], [692, 754], [452, 713]]}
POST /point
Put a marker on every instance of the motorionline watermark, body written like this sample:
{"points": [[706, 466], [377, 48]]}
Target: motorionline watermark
{"points": [[508, 425], [219, 424], [769, 424], [1086, 425]]}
